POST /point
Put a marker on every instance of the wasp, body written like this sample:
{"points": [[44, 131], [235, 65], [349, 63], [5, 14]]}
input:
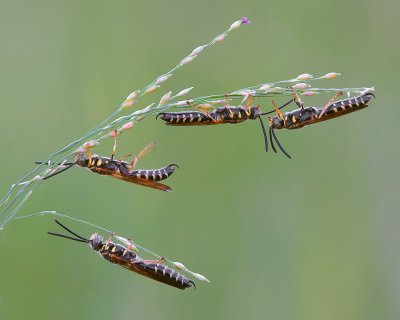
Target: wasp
{"points": [[221, 115], [121, 169], [128, 259], [304, 116]]}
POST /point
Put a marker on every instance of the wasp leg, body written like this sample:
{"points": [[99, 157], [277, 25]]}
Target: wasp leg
{"points": [[115, 144], [112, 234], [329, 103], [296, 98], [249, 101], [209, 116], [125, 156], [226, 99], [278, 112], [227, 106], [88, 153], [133, 163], [281, 107], [142, 153], [160, 261], [190, 103], [205, 112]]}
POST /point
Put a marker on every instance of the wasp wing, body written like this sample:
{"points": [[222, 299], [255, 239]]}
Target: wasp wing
{"points": [[125, 175], [140, 181]]}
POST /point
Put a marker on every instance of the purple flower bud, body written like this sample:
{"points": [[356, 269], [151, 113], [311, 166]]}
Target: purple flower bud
{"points": [[238, 23], [245, 20]]}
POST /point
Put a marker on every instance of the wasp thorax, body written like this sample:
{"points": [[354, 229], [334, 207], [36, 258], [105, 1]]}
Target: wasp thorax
{"points": [[275, 122], [96, 242]]}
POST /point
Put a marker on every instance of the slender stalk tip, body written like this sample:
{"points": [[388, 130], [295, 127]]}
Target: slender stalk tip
{"points": [[305, 76], [309, 93], [331, 75], [238, 23], [301, 86]]}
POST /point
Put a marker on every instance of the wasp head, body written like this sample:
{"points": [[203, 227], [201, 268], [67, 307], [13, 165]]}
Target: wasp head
{"points": [[275, 122], [81, 160], [96, 242], [255, 112]]}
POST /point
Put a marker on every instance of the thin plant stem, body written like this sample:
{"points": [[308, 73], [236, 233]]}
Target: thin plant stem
{"points": [[9, 204], [69, 150]]}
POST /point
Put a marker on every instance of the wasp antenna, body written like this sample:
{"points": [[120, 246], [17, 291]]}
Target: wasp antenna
{"points": [[270, 139], [70, 231], [281, 107], [67, 237], [70, 165], [265, 134], [39, 162], [279, 145], [64, 164]]}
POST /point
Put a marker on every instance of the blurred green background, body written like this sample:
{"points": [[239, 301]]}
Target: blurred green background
{"points": [[315, 237]]}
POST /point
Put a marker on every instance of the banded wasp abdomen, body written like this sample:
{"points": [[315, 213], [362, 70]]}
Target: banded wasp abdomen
{"points": [[185, 118], [221, 115], [226, 114], [348, 105], [166, 275], [118, 254], [155, 174]]}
